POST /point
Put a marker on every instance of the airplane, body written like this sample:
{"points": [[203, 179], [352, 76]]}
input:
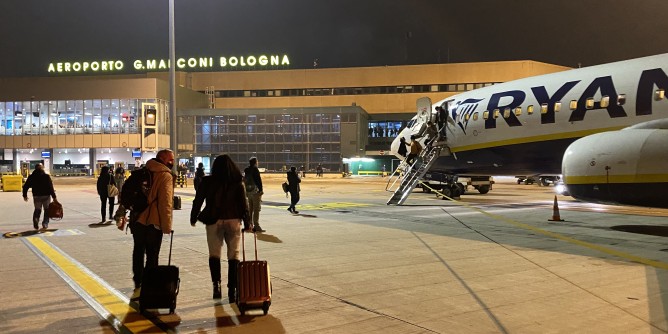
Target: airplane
{"points": [[604, 128]]}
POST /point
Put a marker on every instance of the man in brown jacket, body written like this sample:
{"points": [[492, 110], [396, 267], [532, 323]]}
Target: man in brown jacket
{"points": [[156, 220]]}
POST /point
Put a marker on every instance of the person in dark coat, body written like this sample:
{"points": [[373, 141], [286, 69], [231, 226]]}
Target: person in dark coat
{"points": [[403, 150], [42, 192], [199, 175], [105, 179], [293, 189], [226, 201]]}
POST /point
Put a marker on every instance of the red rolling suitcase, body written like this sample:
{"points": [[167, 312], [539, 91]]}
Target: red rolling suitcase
{"points": [[254, 290], [160, 285]]}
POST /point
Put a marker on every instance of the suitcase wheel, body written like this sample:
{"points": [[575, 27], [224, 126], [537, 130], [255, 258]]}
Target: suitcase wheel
{"points": [[265, 307], [171, 310], [242, 309]]}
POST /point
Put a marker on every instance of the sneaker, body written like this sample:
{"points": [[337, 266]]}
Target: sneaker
{"points": [[295, 212], [290, 210], [258, 229], [35, 225], [45, 226]]}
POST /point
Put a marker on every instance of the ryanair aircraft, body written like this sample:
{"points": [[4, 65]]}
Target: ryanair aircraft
{"points": [[605, 128]]}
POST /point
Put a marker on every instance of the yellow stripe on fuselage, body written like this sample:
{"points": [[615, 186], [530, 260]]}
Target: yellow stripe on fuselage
{"points": [[604, 179]]}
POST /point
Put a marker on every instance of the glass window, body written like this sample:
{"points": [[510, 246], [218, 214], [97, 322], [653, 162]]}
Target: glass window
{"points": [[573, 105], [497, 112], [3, 121], [589, 104], [97, 116], [485, 114], [660, 94], [506, 112], [543, 108], [518, 111], [530, 109], [621, 99], [475, 116], [605, 101], [557, 106]]}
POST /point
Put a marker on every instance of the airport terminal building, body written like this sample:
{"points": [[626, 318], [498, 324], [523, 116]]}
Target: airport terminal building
{"points": [[75, 121]]}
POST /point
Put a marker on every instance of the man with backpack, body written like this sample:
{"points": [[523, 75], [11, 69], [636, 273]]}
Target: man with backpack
{"points": [[254, 192], [148, 193]]}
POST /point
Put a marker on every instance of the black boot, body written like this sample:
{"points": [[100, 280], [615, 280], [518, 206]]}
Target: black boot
{"points": [[214, 267], [232, 283]]}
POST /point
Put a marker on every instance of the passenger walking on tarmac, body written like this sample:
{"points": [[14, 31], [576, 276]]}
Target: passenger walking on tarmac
{"points": [[302, 171], [293, 189], [148, 226], [199, 175], [318, 170], [416, 148], [119, 178], [103, 182], [224, 192], [42, 192], [254, 192]]}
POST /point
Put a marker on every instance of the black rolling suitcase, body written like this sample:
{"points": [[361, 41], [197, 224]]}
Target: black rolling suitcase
{"points": [[177, 202], [160, 285]]}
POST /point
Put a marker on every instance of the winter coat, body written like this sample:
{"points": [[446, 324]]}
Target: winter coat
{"points": [[41, 184], [228, 199], [102, 182], [293, 182], [160, 197]]}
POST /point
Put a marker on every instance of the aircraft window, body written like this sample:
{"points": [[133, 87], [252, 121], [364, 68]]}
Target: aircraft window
{"points": [[475, 116], [605, 101], [469, 87], [530, 109], [621, 99], [506, 112], [573, 105], [557, 106], [497, 112], [485, 114], [660, 95], [589, 104], [543, 108], [466, 117], [518, 111]]}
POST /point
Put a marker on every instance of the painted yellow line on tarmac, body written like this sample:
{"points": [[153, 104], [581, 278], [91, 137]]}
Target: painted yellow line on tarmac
{"points": [[325, 206], [603, 249], [128, 317]]}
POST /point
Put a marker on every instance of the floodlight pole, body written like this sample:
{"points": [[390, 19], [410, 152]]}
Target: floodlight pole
{"points": [[172, 84]]}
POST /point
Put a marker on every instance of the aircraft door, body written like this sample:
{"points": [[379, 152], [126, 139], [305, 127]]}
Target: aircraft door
{"points": [[423, 110]]}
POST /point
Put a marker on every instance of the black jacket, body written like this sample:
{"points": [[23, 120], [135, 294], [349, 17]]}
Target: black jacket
{"points": [[293, 182], [229, 200], [254, 173], [102, 182], [40, 183]]}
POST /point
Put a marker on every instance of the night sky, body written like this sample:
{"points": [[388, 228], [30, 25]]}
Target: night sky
{"points": [[339, 33]]}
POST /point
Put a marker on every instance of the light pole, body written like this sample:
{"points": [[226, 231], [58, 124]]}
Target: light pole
{"points": [[172, 84]]}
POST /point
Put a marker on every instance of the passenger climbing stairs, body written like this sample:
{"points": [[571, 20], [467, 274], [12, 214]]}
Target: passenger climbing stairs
{"points": [[413, 174]]}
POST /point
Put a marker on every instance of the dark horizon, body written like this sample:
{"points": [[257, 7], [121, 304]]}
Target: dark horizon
{"points": [[345, 33]]}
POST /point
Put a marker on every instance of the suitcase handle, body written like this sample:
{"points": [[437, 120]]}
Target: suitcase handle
{"points": [[171, 241], [243, 245]]}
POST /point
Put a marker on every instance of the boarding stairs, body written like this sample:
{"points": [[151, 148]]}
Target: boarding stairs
{"points": [[413, 174]]}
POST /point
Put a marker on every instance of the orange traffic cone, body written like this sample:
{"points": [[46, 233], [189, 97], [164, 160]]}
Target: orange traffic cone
{"points": [[555, 212]]}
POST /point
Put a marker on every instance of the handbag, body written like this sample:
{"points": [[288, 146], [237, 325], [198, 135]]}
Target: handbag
{"points": [[55, 210], [112, 191]]}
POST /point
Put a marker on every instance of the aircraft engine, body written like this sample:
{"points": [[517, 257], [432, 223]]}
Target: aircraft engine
{"points": [[629, 166]]}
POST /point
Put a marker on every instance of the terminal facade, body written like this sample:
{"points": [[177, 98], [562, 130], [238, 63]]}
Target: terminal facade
{"points": [[285, 117]]}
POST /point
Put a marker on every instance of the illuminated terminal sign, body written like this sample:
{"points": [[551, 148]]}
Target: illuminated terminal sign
{"points": [[147, 65]]}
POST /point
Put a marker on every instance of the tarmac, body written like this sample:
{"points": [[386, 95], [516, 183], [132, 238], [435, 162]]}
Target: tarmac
{"points": [[348, 263]]}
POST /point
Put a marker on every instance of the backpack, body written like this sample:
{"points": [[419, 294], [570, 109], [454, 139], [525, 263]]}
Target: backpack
{"points": [[251, 188], [134, 196]]}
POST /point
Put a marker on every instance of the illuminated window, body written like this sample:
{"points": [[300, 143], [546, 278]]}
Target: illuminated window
{"points": [[518, 111], [621, 99], [605, 101], [485, 114], [469, 86], [497, 112], [475, 116], [660, 94], [557, 106], [589, 104], [466, 117], [573, 105], [506, 112], [543, 108], [530, 109]]}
